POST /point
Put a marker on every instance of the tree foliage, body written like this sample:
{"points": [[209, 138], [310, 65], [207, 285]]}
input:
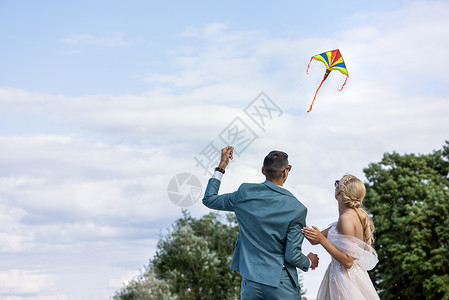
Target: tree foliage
{"points": [[191, 262], [195, 258], [408, 196], [146, 286]]}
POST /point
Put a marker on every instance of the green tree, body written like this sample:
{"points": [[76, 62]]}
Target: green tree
{"points": [[195, 257], [145, 287], [191, 262], [408, 196]]}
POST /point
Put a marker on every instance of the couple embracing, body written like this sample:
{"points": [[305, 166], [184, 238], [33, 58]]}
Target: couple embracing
{"points": [[272, 226]]}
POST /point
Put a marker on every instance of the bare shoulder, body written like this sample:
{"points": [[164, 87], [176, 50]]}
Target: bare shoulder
{"points": [[347, 223]]}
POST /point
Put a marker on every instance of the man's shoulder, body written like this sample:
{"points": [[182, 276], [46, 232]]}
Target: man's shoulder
{"points": [[260, 187], [251, 185], [301, 206], [270, 188]]}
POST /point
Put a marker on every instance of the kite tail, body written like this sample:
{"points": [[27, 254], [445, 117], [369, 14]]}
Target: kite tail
{"points": [[310, 108], [343, 84], [307, 71]]}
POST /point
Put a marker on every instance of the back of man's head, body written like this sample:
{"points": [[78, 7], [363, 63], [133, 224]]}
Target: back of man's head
{"points": [[274, 164]]}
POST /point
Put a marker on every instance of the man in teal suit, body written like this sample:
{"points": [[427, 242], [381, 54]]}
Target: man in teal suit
{"points": [[270, 218]]}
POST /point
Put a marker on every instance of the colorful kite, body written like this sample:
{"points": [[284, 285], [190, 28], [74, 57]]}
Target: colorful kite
{"points": [[333, 61]]}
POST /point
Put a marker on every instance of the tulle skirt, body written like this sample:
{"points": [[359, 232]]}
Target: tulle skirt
{"points": [[340, 283]]}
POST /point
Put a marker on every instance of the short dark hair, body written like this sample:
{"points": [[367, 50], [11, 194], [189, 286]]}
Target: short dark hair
{"points": [[274, 163]]}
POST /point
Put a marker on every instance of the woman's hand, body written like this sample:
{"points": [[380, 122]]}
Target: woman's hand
{"points": [[313, 235]]}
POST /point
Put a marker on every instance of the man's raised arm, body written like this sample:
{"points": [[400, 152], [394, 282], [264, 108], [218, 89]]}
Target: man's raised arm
{"points": [[211, 198]]}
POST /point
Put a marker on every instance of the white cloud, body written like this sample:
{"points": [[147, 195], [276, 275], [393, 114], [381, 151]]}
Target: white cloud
{"points": [[17, 282], [13, 238], [69, 178]]}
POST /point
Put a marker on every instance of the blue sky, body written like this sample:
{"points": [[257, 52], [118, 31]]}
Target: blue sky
{"points": [[102, 103], [45, 37]]}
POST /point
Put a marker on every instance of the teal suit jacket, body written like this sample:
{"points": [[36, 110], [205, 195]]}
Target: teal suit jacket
{"points": [[270, 220]]}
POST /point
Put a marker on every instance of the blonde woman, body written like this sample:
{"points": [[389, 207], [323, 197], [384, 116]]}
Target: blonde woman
{"points": [[349, 243]]}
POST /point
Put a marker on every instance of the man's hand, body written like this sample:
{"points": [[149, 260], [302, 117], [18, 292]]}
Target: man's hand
{"points": [[226, 154], [314, 259]]}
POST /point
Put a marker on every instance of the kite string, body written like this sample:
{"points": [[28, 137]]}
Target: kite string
{"points": [[305, 83]]}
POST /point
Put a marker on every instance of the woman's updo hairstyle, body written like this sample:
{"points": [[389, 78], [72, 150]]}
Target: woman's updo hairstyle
{"points": [[352, 192]]}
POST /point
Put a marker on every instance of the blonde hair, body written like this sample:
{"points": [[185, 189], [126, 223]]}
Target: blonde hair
{"points": [[352, 192]]}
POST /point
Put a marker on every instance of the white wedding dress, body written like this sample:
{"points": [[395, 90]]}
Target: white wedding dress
{"points": [[352, 284]]}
